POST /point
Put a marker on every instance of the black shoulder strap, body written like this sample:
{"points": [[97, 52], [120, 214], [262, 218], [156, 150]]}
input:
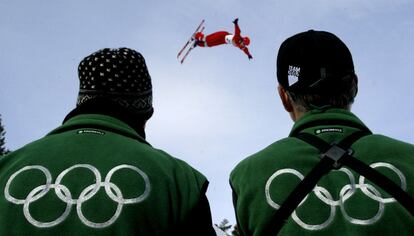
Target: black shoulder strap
{"points": [[333, 156]]}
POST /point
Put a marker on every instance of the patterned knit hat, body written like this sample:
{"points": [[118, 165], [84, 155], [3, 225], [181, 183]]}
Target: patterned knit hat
{"points": [[120, 75]]}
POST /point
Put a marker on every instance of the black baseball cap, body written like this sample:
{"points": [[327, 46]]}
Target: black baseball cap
{"points": [[314, 62]]}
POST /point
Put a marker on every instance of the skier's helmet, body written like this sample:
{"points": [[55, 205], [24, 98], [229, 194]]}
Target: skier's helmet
{"points": [[246, 41]]}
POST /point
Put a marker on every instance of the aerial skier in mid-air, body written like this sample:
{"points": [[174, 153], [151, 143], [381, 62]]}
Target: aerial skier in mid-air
{"points": [[217, 38]]}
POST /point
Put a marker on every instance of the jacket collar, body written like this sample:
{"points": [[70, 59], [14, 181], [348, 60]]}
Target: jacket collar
{"points": [[331, 116], [99, 121]]}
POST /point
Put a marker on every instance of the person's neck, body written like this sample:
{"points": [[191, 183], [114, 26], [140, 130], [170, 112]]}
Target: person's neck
{"points": [[110, 109], [296, 114]]}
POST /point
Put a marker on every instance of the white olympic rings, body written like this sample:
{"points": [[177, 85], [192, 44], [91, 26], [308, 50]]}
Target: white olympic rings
{"points": [[64, 194], [346, 192]]}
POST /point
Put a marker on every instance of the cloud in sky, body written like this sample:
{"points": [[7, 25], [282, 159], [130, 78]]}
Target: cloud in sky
{"points": [[358, 8], [348, 8]]}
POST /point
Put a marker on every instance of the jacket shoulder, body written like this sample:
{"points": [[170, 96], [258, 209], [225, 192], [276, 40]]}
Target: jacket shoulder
{"points": [[183, 166], [389, 141], [278, 149]]}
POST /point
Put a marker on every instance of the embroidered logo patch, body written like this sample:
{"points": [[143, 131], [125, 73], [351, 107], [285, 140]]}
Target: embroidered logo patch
{"points": [[293, 74], [90, 131], [329, 130], [336, 202], [113, 190]]}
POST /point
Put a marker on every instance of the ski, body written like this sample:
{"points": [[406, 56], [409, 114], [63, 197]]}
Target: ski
{"points": [[191, 39], [186, 54], [191, 48]]}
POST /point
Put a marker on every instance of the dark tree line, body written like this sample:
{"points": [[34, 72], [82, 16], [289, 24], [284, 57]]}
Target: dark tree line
{"points": [[3, 149], [225, 227]]}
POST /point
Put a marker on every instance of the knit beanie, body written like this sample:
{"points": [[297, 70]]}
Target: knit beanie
{"points": [[119, 75]]}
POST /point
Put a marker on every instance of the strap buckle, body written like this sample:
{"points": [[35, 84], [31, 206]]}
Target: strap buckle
{"points": [[335, 153]]}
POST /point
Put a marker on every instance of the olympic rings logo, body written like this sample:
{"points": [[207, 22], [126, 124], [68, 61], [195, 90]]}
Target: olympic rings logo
{"points": [[64, 194], [346, 192]]}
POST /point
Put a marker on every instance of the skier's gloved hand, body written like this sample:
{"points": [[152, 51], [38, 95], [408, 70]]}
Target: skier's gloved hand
{"points": [[236, 21], [250, 57]]}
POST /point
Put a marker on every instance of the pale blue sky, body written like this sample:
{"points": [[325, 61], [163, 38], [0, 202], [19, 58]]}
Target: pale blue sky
{"points": [[218, 107]]}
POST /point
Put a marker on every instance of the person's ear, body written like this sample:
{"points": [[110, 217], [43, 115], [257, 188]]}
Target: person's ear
{"points": [[285, 99]]}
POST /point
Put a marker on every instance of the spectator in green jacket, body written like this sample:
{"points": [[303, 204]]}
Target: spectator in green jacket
{"points": [[317, 86], [96, 174]]}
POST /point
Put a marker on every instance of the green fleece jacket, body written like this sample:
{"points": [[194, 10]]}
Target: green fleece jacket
{"points": [[95, 175], [343, 202]]}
